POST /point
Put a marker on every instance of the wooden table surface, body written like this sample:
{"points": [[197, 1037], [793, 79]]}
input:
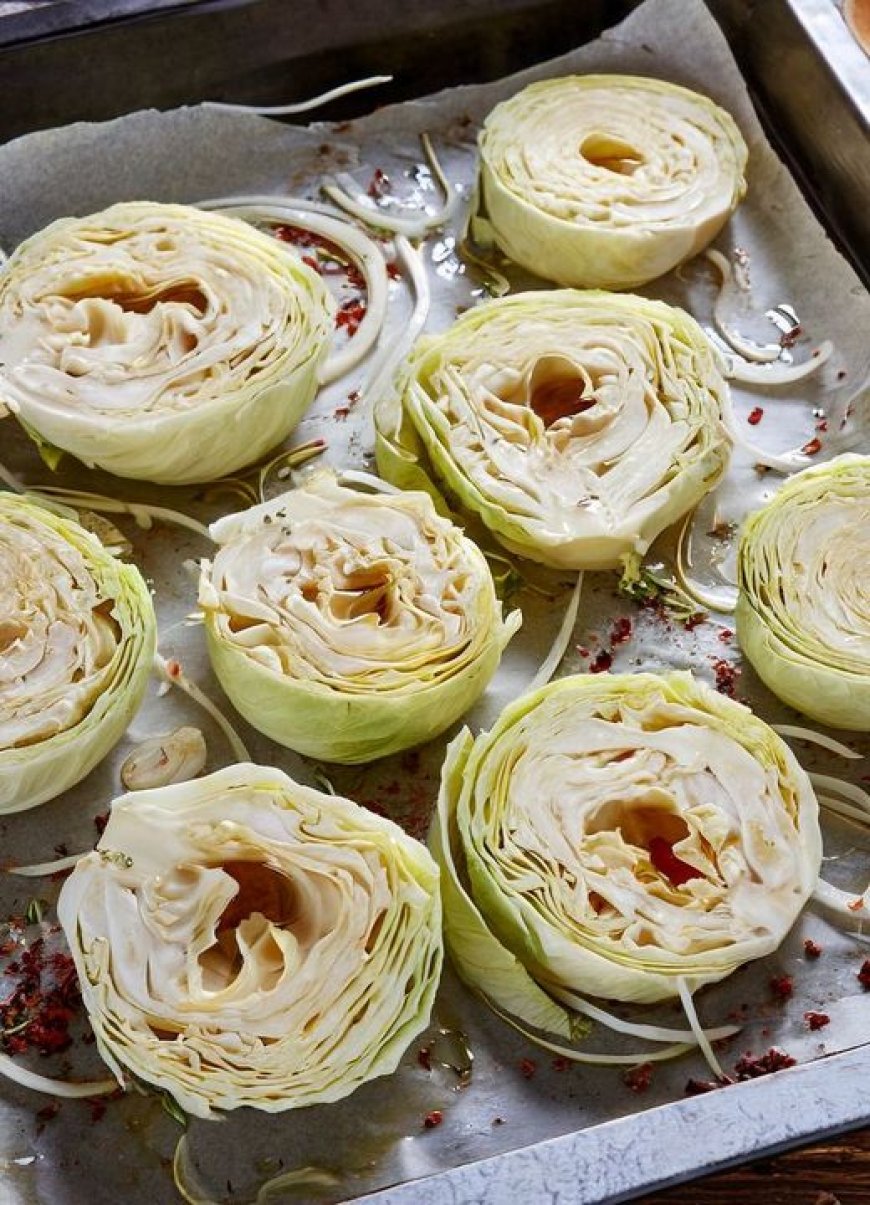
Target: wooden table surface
{"points": [[836, 1172]]}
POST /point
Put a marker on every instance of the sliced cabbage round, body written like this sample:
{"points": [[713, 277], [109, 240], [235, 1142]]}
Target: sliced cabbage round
{"points": [[160, 342], [244, 940], [616, 835], [576, 425], [346, 625], [608, 181], [803, 608], [77, 639]]}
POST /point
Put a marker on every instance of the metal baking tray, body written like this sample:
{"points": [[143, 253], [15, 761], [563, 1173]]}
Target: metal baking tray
{"points": [[523, 1129]]}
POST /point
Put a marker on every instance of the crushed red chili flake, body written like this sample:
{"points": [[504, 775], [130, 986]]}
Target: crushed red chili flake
{"points": [[752, 1067], [379, 185], [561, 1063], [424, 1057], [810, 449], [663, 858], [789, 338], [42, 1004], [782, 986], [725, 634], [694, 620], [582, 652], [173, 668], [822, 425], [817, 1020], [698, 1087], [312, 263], [528, 1067], [349, 316], [602, 662], [394, 272], [433, 1119], [812, 949], [621, 631], [864, 974], [638, 1078], [755, 416], [98, 1110], [726, 676], [48, 1113]]}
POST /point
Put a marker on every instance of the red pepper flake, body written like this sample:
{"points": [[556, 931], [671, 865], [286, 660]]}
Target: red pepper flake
{"points": [[755, 416], [726, 676], [782, 986], [424, 1057], [822, 425], [379, 185], [621, 631], [98, 1110], [666, 862], [528, 1067], [394, 272], [752, 1067], [47, 1114], [173, 668], [312, 264], [817, 1020], [864, 975], [602, 662], [725, 634], [789, 338], [698, 1087], [349, 316], [43, 1002], [812, 949], [810, 449], [561, 1063], [582, 652], [856, 905], [638, 1078], [433, 1119], [694, 621]]}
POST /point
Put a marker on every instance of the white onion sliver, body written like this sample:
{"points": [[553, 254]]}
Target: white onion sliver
{"points": [[387, 358], [816, 738], [728, 290], [603, 1060], [180, 679], [69, 1089], [698, 1029], [39, 869], [563, 638], [301, 106], [345, 193], [652, 1033]]}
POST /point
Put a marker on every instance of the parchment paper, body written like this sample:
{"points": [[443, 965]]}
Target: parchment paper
{"points": [[377, 1137]]}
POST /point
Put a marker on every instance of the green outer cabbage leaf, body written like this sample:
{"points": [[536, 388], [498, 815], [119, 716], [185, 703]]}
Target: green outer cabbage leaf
{"points": [[471, 423], [545, 830], [803, 608], [245, 940], [160, 342], [348, 626], [77, 640], [608, 181]]}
